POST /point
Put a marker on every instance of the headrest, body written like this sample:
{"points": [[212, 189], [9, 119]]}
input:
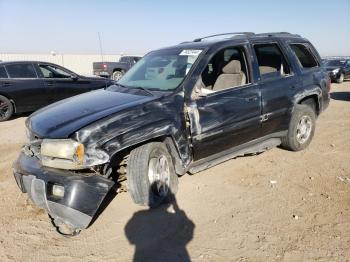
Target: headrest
{"points": [[233, 67]]}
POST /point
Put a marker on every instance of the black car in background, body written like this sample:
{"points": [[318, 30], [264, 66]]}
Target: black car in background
{"points": [[338, 69], [26, 86]]}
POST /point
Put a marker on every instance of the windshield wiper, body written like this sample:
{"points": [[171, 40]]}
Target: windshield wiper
{"points": [[136, 87], [144, 89]]}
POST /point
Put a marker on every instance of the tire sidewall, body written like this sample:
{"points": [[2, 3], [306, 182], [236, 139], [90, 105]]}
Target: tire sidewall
{"points": [[10, 108], [299, 112], [341, 78], [121, 73], [137, 175]]}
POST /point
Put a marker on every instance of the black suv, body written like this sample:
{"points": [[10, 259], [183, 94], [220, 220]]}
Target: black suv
{"points": [[338, 69], [179, 109]]}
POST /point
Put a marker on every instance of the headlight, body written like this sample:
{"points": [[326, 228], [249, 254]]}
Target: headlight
{"points": [[335, 71], [62, 153]]}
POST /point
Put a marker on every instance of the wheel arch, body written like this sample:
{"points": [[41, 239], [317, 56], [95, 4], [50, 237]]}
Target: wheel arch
{"points": [[311, 99], [171, 144], [118, 69]]}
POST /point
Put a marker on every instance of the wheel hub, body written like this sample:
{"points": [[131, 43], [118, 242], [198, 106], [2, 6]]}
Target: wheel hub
{"points": [[159, 175], [304, 129], [4, 108]]}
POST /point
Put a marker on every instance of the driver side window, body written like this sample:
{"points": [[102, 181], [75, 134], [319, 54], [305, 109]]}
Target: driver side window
{"points": [[226, 69], [50, 71]]}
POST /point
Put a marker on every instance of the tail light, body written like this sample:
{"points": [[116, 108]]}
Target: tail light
{"points": [[104, 66]]}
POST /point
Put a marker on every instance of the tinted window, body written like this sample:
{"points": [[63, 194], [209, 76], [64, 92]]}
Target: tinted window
{"points": [[3, 73], [304, 56], [271, 60], [124, 59], [50, 71], [21, 71]]}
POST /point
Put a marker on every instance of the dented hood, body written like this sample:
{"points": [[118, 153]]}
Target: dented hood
{"points": [[63, 118]]}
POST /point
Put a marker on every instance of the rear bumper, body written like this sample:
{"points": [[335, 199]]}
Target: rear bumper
{"points": [[83, 193], [101, 73]]}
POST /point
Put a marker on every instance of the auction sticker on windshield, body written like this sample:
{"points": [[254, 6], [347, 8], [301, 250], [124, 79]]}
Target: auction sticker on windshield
{"points": [[190, 52]]}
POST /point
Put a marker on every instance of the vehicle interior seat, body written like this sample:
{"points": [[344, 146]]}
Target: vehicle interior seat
{"points": [[231, 76]]}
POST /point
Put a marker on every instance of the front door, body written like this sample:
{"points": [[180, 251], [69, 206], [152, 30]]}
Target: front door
{"points": [[227, 111]]}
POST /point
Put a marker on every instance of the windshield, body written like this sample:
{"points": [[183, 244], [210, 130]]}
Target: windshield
{"points": [[335, 63], [162, 70]]}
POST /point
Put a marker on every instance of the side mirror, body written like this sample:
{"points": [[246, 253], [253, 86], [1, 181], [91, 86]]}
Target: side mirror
{"points": [[74, 77]]}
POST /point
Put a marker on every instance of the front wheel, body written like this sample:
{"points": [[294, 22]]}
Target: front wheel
{"points": [[301, 128], [340, 79], [151, 175]]}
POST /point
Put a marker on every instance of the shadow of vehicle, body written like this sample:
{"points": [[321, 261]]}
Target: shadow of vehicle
{"points": [[342, 96], [160, 234]]}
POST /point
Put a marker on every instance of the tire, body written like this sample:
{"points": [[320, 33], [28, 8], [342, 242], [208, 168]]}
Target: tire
{"points": [[151, 175], [340, 79], [117, 75], [6, 108], [301, 128]]}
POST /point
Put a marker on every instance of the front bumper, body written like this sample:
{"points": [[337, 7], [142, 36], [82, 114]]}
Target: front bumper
{"points": [[83, 193]]}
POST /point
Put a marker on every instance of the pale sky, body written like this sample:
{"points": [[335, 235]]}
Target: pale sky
{"points": [[137, 26]]}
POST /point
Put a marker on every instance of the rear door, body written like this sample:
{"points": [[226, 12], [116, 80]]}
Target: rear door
{"points": [[24, 87], [278, 84]]}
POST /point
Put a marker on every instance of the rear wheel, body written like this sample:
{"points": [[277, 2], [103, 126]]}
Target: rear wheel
{"points": [[151, 175], [301, 128], [6, 108], [117, 75], [340, 79]]}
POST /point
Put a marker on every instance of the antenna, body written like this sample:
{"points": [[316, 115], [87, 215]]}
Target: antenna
{"points": [[99, 40]]}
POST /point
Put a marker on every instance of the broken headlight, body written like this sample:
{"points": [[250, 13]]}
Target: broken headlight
{"points": [[69, 154]]}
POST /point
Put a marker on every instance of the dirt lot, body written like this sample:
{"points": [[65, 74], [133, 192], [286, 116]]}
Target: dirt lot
{"points": [[277, 206]]}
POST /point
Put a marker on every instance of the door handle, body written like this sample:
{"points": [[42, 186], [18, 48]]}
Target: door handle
{"points": [[251, 98], [6, 84], [49, 83]]}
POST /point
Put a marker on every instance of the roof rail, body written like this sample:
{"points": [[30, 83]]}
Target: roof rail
{"points": [[277, 33], [235, 33]]}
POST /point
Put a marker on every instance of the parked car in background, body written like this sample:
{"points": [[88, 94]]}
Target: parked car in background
{"points": [[180, 109], [338, 69], [115, 70], [26, 86]]}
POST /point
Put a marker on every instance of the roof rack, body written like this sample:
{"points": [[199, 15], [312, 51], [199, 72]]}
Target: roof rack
{"points": [[235, 33], [277, 33]]}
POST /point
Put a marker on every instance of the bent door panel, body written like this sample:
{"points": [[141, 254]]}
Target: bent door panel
{"points": [[225, 119]]}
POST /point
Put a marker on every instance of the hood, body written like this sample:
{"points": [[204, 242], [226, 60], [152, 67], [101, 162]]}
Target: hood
{"points": [[63, 118]]}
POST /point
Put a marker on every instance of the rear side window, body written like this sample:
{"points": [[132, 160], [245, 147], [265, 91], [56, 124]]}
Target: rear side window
{"points": [[304, 55], [3, 73], [271, 60], [21, 71]]}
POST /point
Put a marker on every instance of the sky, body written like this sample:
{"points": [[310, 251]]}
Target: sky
{"points": [[136, 26]]}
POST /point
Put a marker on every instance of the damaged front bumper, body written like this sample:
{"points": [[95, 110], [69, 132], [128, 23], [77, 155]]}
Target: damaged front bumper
{"points": [[83, 192]]}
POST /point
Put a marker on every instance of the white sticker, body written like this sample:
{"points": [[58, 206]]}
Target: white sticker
{"points": [[190, 52]]}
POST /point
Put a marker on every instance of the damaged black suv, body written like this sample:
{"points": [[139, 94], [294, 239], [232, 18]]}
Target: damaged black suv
{"points": [[179, 109]]}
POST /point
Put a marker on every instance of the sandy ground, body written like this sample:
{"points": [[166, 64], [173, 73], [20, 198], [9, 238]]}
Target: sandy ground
{"points": [[231, 212]]}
